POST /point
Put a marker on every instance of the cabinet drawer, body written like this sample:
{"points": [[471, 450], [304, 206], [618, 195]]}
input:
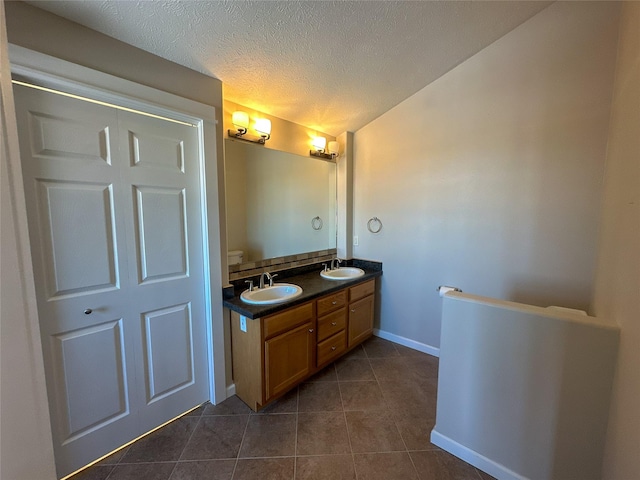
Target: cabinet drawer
{"points": [[332, 324], [362, 290], [293, 317], [332, 302], [331, 347]]}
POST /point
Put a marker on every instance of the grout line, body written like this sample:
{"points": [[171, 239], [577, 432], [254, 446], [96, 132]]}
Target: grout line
{"points": [[240, 447], [346, 424]]}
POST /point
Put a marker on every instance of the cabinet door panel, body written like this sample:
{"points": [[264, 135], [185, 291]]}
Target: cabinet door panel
{"points": [[288, 358], [360, 320]]}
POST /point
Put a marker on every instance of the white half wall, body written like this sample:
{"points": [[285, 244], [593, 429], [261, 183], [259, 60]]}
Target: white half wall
{"points": [[617, 286], [489, 179]]}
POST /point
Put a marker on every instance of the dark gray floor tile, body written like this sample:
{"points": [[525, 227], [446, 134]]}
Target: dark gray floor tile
{"points": [[142, 471], [327, 374], [409, 397], [385, 466], [361, 396], [325, 467], [322, 433], [269, 436], [441, 465], [265, 469], [216, 437], [484, 475], [231, 406], [97, 472], [357, 352], [416, 429], [373, 431], [319, 397], [377, 347], [198, 411], [163, 445], [409, 352], [354, 369], [114, 458], [285, 404], [204, 470]]}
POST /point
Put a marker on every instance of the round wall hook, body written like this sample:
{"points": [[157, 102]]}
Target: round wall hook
{"points": [[316, 223], [374, 225]]}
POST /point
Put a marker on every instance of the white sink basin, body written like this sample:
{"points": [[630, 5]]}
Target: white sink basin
{"points": [[342, 273], [278, 293]]}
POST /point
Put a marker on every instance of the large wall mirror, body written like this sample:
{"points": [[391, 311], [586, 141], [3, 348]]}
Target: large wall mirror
{"points": [[278, 203]]}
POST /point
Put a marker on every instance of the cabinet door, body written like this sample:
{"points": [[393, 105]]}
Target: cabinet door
{"points": [[360, 320], [288, 358]]}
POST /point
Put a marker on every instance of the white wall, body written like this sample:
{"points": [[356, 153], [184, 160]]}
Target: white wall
{"points": [[489, 178], [617, 286]]}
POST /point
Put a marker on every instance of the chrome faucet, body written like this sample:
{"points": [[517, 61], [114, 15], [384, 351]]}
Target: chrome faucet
{"points": [[336, 261], [262, 275], [269, 276]]}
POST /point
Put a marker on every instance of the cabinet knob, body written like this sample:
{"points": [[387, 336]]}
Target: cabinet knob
{"points": [[333, 324], [311, 330], [87, 311], [333, 348], [353, 310], [334, 302]]}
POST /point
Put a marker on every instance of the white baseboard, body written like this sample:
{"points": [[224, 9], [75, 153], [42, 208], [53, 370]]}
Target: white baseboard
{"points": [[407, 342], [470, 456], [231, 390]]}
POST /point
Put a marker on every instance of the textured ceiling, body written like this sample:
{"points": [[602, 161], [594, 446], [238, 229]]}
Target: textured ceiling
{"points": [[330, 65]]}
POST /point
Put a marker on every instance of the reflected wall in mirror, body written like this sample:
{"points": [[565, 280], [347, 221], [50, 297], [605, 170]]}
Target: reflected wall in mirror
{"points": [[272, 200]]}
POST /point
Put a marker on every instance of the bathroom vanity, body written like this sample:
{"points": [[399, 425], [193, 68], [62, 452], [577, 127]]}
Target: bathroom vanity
{"points": [[276, 347]]}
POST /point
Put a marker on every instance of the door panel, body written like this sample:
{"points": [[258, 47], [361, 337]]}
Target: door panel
{"points": [[114, 212], [155, 151], [169, 351], [161, 229], [67, 139], [86, 210], [83, 359]]}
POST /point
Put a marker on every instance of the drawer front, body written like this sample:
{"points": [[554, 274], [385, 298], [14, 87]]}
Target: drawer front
{"points": [[287, 320], [332, 324], [331, 348], [362, 290], [332, 302]]}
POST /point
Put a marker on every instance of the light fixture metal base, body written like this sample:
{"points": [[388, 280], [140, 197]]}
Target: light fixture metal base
{"points": [[323, 155], [242, 136]]}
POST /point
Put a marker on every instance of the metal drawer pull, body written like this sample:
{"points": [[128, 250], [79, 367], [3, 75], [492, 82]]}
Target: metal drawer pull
{"points": [[333, 348], [311, 330], [334, 302], [334, 324], [353, 310], [88, 311]]}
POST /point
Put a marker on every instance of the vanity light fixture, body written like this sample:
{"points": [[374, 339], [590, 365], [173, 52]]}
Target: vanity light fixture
{"points": [[319, 143], [240, 120]]}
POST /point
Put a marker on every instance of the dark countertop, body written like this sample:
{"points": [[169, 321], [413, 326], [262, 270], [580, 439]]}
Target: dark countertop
{"points": [[313, 286]]}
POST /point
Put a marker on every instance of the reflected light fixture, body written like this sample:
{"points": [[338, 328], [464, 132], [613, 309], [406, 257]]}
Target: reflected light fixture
{"points": [[320, 143], [240, 120]]}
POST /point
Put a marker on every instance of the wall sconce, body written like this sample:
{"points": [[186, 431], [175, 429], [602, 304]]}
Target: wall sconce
{"points": [[319, 143], [240, 120]]}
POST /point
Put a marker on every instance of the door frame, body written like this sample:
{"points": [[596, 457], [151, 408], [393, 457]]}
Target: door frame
{"points": [[58, 74]]}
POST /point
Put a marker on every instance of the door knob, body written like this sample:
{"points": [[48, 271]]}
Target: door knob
{"points": [[87, 311]]}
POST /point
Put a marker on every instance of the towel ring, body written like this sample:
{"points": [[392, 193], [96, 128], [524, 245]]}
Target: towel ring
{"points": [[374, 225], [316, 223]]}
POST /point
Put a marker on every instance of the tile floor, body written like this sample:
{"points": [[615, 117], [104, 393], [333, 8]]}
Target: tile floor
{"points": [[366, 417]]}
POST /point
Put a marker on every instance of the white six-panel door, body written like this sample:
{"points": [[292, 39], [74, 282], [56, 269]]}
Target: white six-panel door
{"points": [[114, 211]]}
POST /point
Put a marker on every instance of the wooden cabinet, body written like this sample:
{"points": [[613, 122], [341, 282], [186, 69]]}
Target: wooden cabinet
{"points": [[273, 354]]}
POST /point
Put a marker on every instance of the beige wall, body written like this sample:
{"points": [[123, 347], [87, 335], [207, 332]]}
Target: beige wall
{"points": [[617, 286], [490, 178]]}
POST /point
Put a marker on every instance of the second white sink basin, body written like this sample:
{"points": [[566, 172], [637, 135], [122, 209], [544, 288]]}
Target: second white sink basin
{"points": [[278, 293], [342, 273]]}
